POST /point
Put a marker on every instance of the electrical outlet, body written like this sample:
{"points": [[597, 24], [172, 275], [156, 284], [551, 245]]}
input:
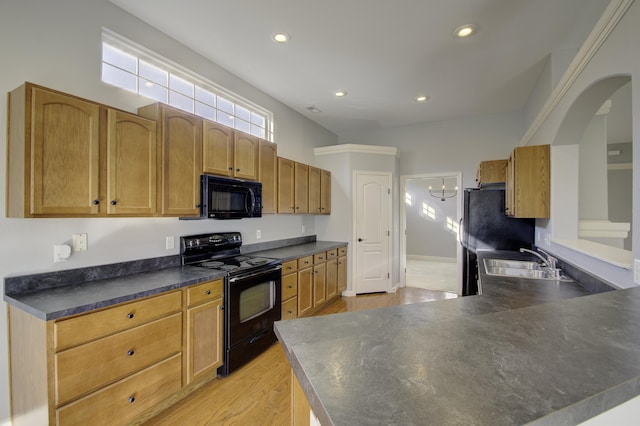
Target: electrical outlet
{"points": [[258, 234], [169, 243], [303, 229], [79, 242], [636, 271]]}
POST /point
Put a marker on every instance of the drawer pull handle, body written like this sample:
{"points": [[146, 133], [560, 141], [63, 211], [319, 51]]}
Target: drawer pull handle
{"points": [[130, 315], [131, 399], [130, 352], [208, 292]]}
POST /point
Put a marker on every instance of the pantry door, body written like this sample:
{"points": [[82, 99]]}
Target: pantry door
{"points": [[372, 227]]}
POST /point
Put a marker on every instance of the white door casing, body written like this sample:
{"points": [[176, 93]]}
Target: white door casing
{"points": [[372, 228]]}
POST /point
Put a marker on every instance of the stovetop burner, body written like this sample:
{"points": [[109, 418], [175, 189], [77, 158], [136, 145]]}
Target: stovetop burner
{"points": [[222, 252]]}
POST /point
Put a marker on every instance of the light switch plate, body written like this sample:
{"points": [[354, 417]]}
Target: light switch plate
{"points": [[258, 234], [169, 243], [79, 242], [636, 271]]}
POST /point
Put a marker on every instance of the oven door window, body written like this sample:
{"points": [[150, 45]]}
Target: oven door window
{"points": [[256, 300]]}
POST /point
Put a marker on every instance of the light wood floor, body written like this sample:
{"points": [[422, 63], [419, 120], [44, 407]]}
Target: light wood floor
{"points": [[259, 392]]}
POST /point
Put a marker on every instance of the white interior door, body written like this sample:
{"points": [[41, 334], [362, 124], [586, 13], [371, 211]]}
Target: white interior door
{"points": [[372, 232]]}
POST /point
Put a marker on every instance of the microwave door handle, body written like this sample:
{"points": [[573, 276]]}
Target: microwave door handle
{"points": [[253, 202]]}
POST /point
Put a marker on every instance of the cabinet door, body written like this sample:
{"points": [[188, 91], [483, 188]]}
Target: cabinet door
{"points": [[319, 284], [325, 192], [301, 192], [204, 339], [131, 164], [268, 167], [285, 185], [314, 190], [245, 156], [305, 291], [491, 172], [217, 149], [342, 273], [332, 278], [65, 155], [528, 186], [181, 163]]}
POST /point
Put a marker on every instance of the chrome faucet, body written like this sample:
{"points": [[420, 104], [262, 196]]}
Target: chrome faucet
{"points": [[550, 262]]}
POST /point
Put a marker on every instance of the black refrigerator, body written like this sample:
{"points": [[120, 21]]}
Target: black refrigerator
{"points": [[485, 226]]}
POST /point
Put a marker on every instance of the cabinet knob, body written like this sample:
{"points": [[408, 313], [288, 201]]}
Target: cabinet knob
{"points": [[131, 399], [230, 169], [222, 307], [289, 312], [114, 202], [297, 208], [208, 292], [130, 352], [130, 315], [237, 170], [290, 286], [95, 202]]}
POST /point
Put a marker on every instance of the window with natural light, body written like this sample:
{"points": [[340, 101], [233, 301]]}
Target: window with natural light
{"points": [[139, 70], [428, 211]]}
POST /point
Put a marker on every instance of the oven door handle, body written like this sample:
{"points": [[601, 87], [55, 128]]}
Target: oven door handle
{"points": [[255, 274]]}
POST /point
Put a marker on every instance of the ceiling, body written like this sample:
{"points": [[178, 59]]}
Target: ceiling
{"points": [[383, 53]]}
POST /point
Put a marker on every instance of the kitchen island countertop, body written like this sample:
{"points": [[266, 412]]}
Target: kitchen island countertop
{"points": [[526, 351]]}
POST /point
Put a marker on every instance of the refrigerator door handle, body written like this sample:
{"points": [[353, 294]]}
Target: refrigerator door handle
{"points": [[461, 232]]}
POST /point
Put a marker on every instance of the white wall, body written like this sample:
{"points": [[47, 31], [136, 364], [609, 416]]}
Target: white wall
{"points": [[611, 59], [58, 44]]}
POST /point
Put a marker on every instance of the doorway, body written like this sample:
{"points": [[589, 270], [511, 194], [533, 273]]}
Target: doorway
{"points": [[372, 232], [430, 211]]}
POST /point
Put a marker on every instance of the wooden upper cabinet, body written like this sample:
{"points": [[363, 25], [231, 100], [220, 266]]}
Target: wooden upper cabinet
{"points": [[53, 163], [325, 192], [267, 175], [528, 182], [286, 185], [217, 149], [245, 161], [301, 191], [314, 190], [180, 159], [131, 164], [493, 171]]}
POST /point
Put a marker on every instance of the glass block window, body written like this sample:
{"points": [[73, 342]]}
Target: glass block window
{"points": [[139, 70]]}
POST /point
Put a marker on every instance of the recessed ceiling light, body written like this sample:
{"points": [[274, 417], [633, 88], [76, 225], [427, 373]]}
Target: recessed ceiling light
{"points": [[465, 31], [281, 37], [422, 98], [341, 93]]}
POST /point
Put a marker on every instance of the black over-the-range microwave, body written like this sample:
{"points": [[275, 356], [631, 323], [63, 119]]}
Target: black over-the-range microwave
{"points": [[227, 198]]}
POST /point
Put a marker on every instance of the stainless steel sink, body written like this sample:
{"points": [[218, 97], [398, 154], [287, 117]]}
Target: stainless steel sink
{"points": [[512, 264], [520, 269]]}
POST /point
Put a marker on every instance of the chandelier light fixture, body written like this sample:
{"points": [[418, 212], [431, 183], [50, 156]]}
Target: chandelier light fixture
{"points": [[444, 193]]}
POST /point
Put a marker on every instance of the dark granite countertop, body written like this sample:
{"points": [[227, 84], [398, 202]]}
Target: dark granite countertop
{"points": [[525, 351], [300, 250], [59, 294], [61, 301]]}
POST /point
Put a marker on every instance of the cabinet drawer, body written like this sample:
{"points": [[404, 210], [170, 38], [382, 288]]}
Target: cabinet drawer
{"points": [[88, 367], [305, 262], [78, 330], [204, 292], [290, 309], [332, 254], [342, 251], [290, 266], [126, 399], [320, 257], [289, 286]]}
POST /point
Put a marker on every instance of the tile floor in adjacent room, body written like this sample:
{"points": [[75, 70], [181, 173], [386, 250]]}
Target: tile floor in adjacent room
{"points": [[432, 275]]}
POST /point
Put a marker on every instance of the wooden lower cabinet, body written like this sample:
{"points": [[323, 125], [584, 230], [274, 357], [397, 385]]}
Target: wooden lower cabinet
{"points": [[319, 278], [113, 365]]}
